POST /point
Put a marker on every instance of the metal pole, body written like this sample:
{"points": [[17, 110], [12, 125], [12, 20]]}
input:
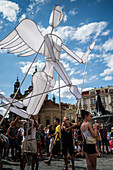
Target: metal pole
{"points": [[60, 110], [78, 110]]}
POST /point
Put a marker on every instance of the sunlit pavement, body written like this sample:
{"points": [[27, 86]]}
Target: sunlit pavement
{"points": [[105, 162]]}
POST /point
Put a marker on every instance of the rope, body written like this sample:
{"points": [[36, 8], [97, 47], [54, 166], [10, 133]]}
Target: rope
{"points": [[82, 84]]}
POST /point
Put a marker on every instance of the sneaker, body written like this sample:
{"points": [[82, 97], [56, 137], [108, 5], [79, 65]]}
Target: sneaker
{"points": [[7, 159], [47, 162]]}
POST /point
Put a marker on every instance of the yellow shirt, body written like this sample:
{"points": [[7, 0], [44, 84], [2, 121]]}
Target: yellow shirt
{"points": [[59, 133]]}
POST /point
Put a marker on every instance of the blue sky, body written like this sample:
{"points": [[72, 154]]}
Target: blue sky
{"points": [[84, 21]]}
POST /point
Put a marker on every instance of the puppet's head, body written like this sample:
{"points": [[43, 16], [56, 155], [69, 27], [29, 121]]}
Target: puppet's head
{"points": [[56, 17]]}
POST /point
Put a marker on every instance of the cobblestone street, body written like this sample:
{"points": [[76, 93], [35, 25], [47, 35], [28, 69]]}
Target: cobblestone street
{"points": [[105, 162]]}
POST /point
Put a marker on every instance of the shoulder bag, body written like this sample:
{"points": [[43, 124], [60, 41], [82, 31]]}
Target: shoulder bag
{"points": [[90, 139]]}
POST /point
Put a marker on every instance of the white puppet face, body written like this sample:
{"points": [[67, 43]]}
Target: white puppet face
{"points": [[56, 17]]}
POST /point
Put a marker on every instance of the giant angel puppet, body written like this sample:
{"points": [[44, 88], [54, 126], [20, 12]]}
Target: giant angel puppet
{"points": [[26, 39]]}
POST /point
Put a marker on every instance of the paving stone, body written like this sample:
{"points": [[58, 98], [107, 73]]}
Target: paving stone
{"points": [[105, 162]]}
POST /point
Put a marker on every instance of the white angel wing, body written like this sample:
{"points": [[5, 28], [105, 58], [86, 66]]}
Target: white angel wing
{"points": [[15, 102], [16, 110], [25, 38]]}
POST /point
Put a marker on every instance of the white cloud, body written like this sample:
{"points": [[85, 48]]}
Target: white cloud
{"points": [[9, 10], [40, 1], [73, 12], [77, 81], [83, 33], [98, 47], [65, 32], [106, 33], [82, 23], [65, 56], [64, 92], [22, 17], [30, 7], [65, 17], [44, 30], [72, 0], [77, 72], [108, 45], [107, 78], [93, 77], [72, 71], [2, 111], [2, 92], [108, 71], [87, 89], [108, 60], [82, 74], [66, 65], [25, 65], [2, 50]]}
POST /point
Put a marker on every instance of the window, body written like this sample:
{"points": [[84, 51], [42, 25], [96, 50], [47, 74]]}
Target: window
{"points": [[71, 117], [47, 122], [94, 101], [111, 90], [39, 120], [102, 91], [111, 99], [85, 102], [92, 92], [112, 108], [92, 110], [70, 112], [103, 100], [91, 101], [73, 107]]}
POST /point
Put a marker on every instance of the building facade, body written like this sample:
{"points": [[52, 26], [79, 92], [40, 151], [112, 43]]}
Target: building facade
{"points": [[88, 100]]}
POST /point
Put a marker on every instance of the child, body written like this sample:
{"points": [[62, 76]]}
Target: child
{"points": [[111, 145]]}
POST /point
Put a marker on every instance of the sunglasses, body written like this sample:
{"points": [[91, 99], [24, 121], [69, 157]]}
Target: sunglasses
{"points": [[66, 119]]}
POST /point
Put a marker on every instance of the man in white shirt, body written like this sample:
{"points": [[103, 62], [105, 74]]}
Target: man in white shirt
{"points": [[29, 144]]}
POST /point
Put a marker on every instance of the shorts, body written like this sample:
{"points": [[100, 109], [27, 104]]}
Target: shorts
{"points": [[11, 144], [89, 148], [51, 144], [56, 148], [29, 146], [69, 147]]}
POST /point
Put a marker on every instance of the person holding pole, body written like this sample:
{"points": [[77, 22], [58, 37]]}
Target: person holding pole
{"points": [[67, 140]]}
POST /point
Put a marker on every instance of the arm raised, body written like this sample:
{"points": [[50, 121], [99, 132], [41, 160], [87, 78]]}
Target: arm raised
{"points": [[76, 57]]}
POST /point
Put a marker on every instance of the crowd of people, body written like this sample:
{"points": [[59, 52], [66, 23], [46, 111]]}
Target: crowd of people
{"points": [[64, 139]]}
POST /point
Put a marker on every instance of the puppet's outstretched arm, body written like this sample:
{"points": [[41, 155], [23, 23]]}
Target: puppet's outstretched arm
{"points": [[74, 56], [63, 74]]}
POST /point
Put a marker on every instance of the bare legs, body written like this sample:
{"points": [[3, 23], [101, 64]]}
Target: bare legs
{"points": [[91, 161], [65, 160], [72, 160]]}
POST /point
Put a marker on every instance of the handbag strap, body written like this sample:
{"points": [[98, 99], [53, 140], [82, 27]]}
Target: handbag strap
{"points": [[87, 128]]}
